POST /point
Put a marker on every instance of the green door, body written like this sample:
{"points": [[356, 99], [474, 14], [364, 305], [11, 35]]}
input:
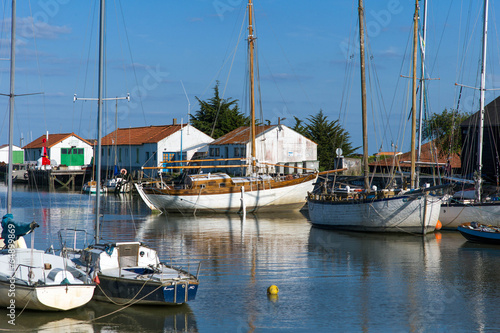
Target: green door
{"points": [[72, 156], [17, 157]]}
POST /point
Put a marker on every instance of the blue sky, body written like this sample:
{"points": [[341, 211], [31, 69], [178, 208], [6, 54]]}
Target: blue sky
{"points": [[154, 48]]}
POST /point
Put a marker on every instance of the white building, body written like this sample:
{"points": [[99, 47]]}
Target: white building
{"points": [[275, 144], [150, 146], [63, 149], [17, 154]]}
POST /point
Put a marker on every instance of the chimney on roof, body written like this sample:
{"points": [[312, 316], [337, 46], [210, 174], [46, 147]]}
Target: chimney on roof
{"points": [[174, 122]]}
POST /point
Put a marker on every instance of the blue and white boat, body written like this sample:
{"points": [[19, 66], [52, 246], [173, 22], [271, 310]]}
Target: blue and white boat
{"points": [[480, 233]]}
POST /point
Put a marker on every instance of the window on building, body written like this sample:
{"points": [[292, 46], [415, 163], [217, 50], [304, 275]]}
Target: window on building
{"points": [[137, 155], [102, 151], [217, 152], [109, 151], [211, 152], [236, 151], [120, 155], [147, 156]]}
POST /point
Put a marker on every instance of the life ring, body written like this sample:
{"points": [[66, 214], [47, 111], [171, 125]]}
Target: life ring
{"points": [[25, 175], [123, 171]]}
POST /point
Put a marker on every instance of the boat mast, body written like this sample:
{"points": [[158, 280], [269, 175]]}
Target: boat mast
{"points": [[99, 122], [422, 81], [366, 169], [481, 102], [251, 40], [11, 105], [414, 97]]}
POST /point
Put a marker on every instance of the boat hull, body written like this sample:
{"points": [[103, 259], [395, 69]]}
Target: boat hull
{"points": [[413, 214], [46, 298], [145, 292], [453, 215], [286, 197], [479, 236]]}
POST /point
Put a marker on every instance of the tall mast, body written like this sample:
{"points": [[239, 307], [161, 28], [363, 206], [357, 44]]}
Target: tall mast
{"points": [[99, 121], [414, 97], [481, 101], [251, 39], [11, 105], [366, 169], [422, 80]]}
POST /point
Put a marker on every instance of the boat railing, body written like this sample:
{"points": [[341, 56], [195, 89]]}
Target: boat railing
{"points": [[73, 237], [31, 275]]}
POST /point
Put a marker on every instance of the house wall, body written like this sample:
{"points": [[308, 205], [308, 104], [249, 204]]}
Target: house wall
{"points": [[4, 153], [280, 145], [134, 157], [54, 152]]}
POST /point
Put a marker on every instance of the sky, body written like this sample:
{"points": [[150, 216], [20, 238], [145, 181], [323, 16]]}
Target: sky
{"points": [[168, 53]]}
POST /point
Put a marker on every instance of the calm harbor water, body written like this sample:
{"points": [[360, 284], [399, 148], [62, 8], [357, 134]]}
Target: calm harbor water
{"points": [[329, 281]]}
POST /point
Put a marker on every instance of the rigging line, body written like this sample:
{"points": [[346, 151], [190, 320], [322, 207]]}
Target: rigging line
{"points": [[229, 73], [349, 65], [88, 32], [139, 97], [224, 62]]}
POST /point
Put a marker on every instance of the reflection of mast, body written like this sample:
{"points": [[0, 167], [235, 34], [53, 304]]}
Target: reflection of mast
{"points": [[251, 39]]}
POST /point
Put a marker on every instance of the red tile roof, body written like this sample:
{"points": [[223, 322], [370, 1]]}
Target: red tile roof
{"points": [[426, 156], [52, 141], [240, 135], [139, 135]]}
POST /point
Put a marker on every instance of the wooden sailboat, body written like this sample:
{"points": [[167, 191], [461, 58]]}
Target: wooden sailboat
{"points": [[220, 193], [31, 278], [414, 211], [128, 272], [479, 209]]}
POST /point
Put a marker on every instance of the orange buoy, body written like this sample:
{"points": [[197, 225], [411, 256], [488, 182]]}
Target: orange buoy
{"points": [[438, 225]]}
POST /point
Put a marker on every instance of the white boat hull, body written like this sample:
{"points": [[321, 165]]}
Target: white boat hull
{"points": [[452, 215], [290, 197], [396, 214], [46, 298]]}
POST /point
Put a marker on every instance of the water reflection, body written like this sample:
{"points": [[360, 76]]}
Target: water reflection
{"points": [[104, 317]]}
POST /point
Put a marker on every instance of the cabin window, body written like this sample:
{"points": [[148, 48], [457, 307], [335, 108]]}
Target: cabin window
{"points": [[222, 185]]}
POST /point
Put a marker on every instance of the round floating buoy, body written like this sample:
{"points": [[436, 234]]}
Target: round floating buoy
{"points": [[273, 290], [438, 225]]}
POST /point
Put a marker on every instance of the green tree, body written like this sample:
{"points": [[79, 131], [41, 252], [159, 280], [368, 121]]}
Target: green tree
{"points": [[329, 135], [444, 128], [217, 117]]}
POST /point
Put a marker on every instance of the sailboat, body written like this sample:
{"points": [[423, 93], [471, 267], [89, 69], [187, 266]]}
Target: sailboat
{"points": [[481, 210], [414, 211], [479, 215], [221, 193], [31, 278], [128, 272]]}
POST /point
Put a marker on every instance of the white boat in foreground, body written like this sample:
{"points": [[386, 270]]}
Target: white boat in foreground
{"points": [[42, 281]]}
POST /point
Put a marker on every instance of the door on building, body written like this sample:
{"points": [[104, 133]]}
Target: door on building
{"points": [[72, 156], [167, 157], [18, 157]]}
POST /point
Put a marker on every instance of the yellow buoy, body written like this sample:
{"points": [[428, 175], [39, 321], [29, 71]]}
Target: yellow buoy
{"points": [[273, 290]]}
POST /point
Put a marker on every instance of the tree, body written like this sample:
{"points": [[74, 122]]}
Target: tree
{"points": [[329, 135], [217, 117], [444, 128]]}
